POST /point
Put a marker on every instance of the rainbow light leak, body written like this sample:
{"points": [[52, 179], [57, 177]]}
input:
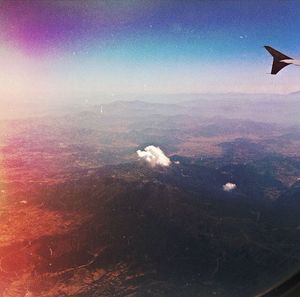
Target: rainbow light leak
{"points": [[70, 48]]}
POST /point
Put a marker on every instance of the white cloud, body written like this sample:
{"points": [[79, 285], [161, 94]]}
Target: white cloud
{"points": [[229, 187], [154, 156]]}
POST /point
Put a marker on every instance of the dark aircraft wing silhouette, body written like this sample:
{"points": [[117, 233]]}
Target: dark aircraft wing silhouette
{"points": [[278, 64]]}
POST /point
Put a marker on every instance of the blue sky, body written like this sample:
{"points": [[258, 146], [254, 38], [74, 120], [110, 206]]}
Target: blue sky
{"points": [[94, 47]]}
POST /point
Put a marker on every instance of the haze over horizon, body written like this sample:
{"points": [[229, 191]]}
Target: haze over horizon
{"points": [[68, 48]]}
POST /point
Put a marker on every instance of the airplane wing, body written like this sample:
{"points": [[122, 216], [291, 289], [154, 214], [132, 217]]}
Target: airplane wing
{"points": [[277, 57]]}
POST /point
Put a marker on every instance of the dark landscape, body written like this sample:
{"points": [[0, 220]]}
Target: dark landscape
{"points": [[82, 215]]}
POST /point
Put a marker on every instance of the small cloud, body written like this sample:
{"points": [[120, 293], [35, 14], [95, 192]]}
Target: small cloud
{"points": [[176, 162], [229, 187], [154, 156]]}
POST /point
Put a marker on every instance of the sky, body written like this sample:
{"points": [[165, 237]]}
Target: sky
{"points": [[89, 48]]}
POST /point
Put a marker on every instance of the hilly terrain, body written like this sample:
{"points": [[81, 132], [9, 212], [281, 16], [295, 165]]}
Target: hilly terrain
{"points": [[83, 216]]}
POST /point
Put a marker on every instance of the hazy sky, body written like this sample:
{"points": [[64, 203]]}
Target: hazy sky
{"points": [[92, 47]]}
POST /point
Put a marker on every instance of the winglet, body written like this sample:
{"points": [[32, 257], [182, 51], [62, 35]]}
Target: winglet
{"points": [[277, 58]]}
